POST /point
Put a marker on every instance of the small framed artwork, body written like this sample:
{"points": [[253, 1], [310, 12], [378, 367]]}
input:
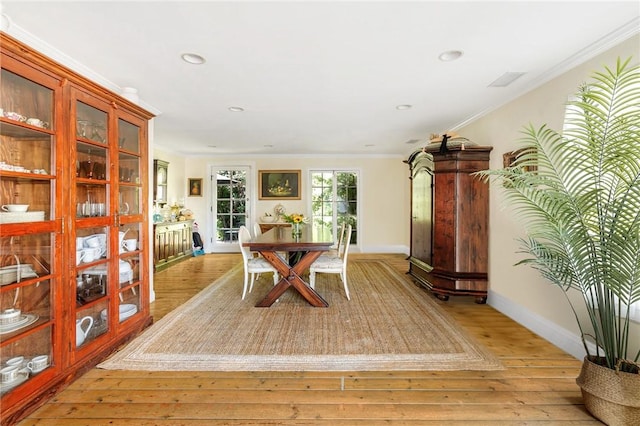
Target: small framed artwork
{"points": [[508, 158], [279, 184], [195, 187]]}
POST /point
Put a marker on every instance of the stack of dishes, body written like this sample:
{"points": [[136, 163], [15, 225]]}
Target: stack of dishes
{"points": [[9, 274], [18, 217], [126, 310], [13, 320]]}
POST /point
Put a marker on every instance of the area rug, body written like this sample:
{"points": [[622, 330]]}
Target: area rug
{"points": [[389, 324]]}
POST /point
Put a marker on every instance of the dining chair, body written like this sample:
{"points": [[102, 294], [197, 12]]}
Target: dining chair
{"points": [[252, 265], [256, 229], [337, 250], [333, 265]]}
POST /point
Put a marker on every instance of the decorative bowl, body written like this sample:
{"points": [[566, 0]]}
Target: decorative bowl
{"points": [[268, 219], [9, 316]]}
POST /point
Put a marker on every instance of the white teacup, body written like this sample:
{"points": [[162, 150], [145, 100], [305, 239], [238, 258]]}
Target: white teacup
{"points": [[38, 363], [89, 254], [15, 207], [93, 241], [18, 360], [9, 374]]}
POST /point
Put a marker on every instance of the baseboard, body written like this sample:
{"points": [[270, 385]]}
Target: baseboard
{"points": [[383, 249], [560, 337]]}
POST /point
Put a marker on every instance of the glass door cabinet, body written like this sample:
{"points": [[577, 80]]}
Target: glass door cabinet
{"points": [[73, 226]]}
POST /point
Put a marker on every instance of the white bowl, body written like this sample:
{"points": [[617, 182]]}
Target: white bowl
{"points": [[15, 208], [268, 219]]}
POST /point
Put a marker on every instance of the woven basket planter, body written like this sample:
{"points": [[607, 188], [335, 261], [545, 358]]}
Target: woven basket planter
{"points": [[611, 396]]}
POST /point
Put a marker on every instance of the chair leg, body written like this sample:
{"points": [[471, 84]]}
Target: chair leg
{"points": [[253, 279], [343, 275], [312, 279], [244, 286]]}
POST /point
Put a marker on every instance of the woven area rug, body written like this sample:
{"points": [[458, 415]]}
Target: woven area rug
{"points": [[389, 324]]}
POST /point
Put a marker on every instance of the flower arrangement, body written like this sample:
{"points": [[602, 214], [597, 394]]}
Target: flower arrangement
{"points": [[295, 218]]}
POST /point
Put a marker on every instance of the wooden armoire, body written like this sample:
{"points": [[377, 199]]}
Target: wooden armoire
{"points": [[450, 221]]}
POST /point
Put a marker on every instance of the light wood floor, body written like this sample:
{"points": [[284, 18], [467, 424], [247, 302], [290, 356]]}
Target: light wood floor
{"points": [[538, 386]]}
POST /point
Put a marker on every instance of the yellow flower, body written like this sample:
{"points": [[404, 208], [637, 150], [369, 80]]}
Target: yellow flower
{"points": [[295, 218]]}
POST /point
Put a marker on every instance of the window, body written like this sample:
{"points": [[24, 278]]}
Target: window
{"points": [[334, 200]]}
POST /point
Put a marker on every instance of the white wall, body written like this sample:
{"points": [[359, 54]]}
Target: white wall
{"points": [[519, 291], [384, 193]]}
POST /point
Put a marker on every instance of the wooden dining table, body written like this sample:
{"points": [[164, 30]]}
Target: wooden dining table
{"points": [[311, 243]]}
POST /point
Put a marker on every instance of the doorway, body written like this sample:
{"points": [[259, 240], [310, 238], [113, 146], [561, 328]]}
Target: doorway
{"points": [[230, 197]]}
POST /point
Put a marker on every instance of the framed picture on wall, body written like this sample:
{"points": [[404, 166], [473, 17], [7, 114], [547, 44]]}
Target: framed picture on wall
{"points": [[279, 184], [195, 187]]}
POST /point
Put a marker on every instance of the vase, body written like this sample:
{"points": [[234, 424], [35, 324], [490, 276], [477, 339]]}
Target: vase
{"points": [[611, 396], [296, 229]]}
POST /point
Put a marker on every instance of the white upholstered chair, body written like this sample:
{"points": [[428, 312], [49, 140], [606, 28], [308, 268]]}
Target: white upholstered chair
{"points": [[252, 265], [333, 264]]}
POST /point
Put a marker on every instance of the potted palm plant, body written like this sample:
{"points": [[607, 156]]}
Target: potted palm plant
{"points": [[577, 193]]}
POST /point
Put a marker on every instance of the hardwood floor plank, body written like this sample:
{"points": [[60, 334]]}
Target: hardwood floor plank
{"points": [[262, 411], [300, 422], [402, 397]]}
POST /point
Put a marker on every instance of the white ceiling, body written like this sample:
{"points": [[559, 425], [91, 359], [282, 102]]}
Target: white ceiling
{"points": [[320, 77]]}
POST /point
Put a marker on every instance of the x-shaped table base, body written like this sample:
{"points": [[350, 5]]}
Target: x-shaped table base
{"points": [[291, 278]]}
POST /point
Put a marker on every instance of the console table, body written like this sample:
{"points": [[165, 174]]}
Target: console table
{"points": [[173, 242]]}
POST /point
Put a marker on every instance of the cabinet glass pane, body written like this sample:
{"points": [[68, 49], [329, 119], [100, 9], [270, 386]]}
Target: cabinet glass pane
{"points": [[92, 243], [128, 136], [129, 302], [25, 258], [129, 237], [129, 200], [129, 292], [25, 174], [25, 101], [24, 307], [91, 162], [91, 200], [91, 123], [92, 270], [129, 168], [91, 322], [32, 355]]}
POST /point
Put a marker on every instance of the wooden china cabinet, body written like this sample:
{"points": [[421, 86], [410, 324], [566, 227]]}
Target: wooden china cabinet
{"points": [[450, 221], [76, 154]]}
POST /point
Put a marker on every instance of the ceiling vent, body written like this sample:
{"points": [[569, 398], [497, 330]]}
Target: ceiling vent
{"points": [[506, 79]]}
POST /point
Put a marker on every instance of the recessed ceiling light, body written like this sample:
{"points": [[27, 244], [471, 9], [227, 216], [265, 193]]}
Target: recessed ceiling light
{"points": [[193, 58], [212, 146], [268, 146], [369, 145], [450, 55], [236, 109], [406, 106]]}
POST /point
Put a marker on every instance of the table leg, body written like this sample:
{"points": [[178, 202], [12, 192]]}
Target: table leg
{"points": [[291, 278]]}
